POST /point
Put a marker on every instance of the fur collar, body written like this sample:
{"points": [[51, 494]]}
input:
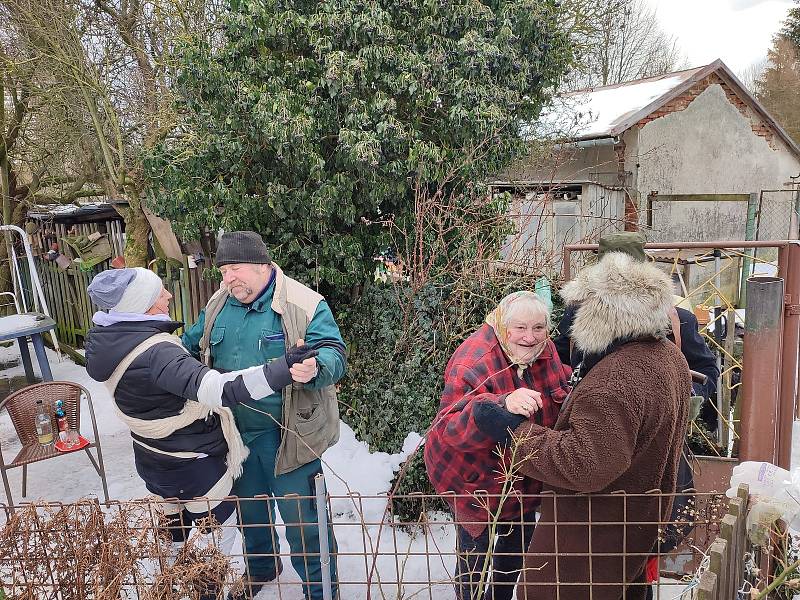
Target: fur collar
{"points": [[618, 298]]}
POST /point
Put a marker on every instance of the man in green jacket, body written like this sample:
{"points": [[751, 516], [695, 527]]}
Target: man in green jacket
{"points": [[258, 315]]}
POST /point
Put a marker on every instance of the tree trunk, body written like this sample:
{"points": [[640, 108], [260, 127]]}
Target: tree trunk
{"points": [[6, 285], [137, 230]]}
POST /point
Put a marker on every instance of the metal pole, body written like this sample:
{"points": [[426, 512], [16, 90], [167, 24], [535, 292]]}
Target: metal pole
{"points": [[789, 355], [37, 286], [17, 277], [695, 245], [760, 391], [747, 261], [721, 416], [35, 283], [18, 291], [566, 267], [322, 524]]}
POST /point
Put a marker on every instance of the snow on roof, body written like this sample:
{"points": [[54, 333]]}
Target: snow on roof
{"points": [[606, 111], [86, 209], [65, 209]]}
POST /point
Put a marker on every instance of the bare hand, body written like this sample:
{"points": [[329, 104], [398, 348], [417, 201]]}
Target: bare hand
{"points": [[305, 371], [524, 401]]}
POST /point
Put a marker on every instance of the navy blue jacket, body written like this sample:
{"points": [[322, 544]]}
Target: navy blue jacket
{"points": [[693, 347], [156, 385]]}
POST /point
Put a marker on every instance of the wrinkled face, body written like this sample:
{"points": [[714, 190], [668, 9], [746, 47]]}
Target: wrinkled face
{"points": [[245, 281], [161, 305], [525, 333]]}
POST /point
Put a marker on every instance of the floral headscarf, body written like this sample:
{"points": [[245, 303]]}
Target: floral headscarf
{"points": [[496, 320]]}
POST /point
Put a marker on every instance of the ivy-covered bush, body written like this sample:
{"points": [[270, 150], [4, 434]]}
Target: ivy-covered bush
{"points": [[312, 122]]}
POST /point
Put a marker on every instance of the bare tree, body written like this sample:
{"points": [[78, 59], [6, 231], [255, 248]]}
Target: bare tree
{"points": [[623, 41], [104, 70], [752, 74]]}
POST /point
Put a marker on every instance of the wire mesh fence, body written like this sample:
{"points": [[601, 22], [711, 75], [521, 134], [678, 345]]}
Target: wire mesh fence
{"points": [[595, 546], [776, 215]]}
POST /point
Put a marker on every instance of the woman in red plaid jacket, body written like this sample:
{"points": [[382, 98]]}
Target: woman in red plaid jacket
{"points": [[508, 363]]}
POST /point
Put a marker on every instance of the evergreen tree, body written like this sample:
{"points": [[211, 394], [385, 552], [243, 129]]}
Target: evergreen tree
{"points": [[314, 122], [778, 87]]}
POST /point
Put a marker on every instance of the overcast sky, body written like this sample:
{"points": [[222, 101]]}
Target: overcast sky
{"points": [[737, 31]]}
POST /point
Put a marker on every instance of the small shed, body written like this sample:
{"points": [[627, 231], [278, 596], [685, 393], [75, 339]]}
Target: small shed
{"points": [[49, 225], [682, 156]]}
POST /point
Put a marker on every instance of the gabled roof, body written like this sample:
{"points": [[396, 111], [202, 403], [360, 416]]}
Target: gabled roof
{"points": [[609, 111]]}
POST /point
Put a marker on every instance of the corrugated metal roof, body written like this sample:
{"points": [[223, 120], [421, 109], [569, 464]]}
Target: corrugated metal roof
{"points": [[71, 211]]}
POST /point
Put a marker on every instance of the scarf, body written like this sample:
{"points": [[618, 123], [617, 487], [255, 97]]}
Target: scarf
{"points": [[104, 319], [192, 411], [496, 319]]}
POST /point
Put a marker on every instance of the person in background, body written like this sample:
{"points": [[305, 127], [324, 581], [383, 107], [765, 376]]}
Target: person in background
{"points": [[508, 364]]}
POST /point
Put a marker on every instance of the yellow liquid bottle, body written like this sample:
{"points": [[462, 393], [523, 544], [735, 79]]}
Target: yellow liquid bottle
{"points": [[44, 424]]}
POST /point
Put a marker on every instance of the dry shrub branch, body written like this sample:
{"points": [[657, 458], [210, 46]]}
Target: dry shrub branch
{"points": [[84, 551]]}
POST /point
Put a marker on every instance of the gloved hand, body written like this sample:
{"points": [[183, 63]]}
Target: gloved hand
{"points": [[298, 354], [277, 372], [496, 421]]}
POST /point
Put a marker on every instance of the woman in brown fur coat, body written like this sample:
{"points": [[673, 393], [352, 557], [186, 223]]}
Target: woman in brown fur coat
{"points": [[622, 429]]}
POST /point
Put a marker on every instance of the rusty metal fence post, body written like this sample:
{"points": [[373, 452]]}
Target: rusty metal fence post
{"points": [[761, 364], [790, 271]]}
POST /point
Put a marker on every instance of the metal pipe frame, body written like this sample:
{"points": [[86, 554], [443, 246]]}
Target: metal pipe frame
{"points": [[789, 269], [760, 392], [37, 285]]}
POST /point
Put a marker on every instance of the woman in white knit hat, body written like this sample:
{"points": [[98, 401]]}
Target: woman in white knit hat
{"points": [[185, 442]]}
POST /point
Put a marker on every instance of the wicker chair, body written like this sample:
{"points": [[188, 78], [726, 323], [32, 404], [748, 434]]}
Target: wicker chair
{"points": [[21, 405]]}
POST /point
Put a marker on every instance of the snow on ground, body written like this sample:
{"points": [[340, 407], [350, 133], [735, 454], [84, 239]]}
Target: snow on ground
{"points": [[349, 467]]}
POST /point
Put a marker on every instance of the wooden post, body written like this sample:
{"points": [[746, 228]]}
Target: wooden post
{"points": [[707, 587], [718, 555]]}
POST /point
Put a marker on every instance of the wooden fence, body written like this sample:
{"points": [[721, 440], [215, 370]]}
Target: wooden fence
{"points": [[113, 228], [71, 308], [725, 574]]}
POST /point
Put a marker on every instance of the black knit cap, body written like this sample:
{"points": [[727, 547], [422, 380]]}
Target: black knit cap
{"points": [[242, 247]]}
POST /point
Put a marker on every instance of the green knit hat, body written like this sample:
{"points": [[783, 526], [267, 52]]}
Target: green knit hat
{"points": [[629, 242]]}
